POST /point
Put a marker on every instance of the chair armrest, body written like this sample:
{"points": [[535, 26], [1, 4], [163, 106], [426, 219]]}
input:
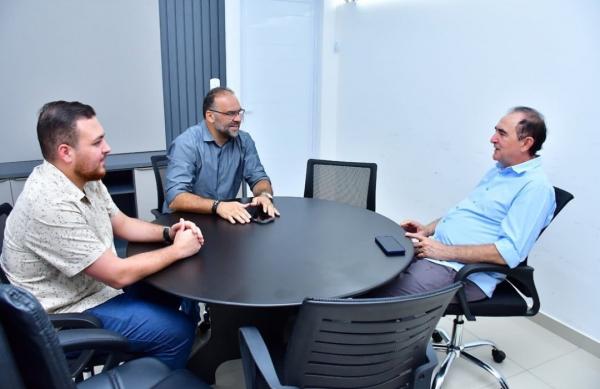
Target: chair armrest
{"points": [[74, 320], [521, 277], [89, 344], [91, 338], [256, 355]]}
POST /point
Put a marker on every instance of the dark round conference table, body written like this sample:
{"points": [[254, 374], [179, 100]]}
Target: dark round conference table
{"points": [[258, 274]]}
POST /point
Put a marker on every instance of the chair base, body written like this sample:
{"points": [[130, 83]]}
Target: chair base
{"points": [[454, 348]]}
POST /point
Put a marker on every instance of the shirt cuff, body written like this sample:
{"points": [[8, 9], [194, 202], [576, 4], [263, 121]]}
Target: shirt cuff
{"points": [[508, 252]]}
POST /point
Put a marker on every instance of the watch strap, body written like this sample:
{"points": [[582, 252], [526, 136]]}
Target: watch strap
{"points": [[214, 206], [167, 234]]}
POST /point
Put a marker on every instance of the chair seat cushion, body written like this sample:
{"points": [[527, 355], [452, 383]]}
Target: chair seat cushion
{"points": [[143, 373], [505, 301]]}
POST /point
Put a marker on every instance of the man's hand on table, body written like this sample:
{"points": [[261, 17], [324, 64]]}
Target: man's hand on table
{"points": [[187, 243], [184, 225], [234, 212], [265, 201], [413, 226], [426, 247]]}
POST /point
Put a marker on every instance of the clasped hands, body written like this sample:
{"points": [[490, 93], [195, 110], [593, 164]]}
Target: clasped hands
{"points": [[425, 247], [186, 235], [236, 212]]}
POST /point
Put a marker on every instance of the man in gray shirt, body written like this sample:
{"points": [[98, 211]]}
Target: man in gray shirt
{"points": [[209, 161]]}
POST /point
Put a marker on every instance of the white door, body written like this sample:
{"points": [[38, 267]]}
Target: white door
{"points": [[279, 84]]}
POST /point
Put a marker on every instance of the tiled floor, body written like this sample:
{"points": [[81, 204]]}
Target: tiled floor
{"points": [[536, 359]]}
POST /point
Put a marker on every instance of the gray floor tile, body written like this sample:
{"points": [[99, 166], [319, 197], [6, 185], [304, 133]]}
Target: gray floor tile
{"points": [[464, 374], [525, 342], [578, 369], [523, 380]]}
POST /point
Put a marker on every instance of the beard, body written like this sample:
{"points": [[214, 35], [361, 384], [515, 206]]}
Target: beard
{"points": [[90, 174], [229, 130]]}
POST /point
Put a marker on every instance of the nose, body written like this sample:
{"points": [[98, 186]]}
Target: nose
{"points": [[107, 148], [494, 139]]}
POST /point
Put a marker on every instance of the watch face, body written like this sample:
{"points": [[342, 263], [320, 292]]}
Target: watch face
{"points": [[166, 234]]}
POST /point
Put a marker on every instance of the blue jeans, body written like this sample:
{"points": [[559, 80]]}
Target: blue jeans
{"points": [[151, 321]]}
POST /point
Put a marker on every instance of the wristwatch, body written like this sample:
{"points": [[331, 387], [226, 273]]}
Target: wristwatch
{"points": [[214, 207], [167, 234]]}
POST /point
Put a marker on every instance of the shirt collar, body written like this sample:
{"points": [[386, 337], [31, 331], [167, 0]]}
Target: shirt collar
{"points": [[69, 189], [522, 167], [206, 135]]}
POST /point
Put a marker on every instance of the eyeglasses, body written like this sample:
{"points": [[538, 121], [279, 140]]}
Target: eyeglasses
{"points": [[231, 114]]}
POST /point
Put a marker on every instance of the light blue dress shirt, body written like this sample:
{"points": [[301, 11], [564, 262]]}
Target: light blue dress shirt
{"points": [[197, 164], [509, 208]]}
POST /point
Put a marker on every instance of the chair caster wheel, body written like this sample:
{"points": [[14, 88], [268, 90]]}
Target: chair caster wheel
{"points": [[436, 337], [498, 355]]}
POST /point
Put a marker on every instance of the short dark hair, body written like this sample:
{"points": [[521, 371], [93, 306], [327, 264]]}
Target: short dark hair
{"points": [[209, 99], [57, 123], [532, 125]]}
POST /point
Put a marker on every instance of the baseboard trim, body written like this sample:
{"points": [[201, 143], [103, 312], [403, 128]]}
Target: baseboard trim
{"points": [[564, 331]]}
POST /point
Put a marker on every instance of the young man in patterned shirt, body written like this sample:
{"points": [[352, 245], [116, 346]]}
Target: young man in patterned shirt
{"points": [[59, 241]]}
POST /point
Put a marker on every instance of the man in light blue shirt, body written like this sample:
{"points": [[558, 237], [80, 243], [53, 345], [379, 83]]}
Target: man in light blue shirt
{"points": [[497, 223], [209, 161]]}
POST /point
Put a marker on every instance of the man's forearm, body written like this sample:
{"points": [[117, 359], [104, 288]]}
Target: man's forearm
{"points": [[483, 253], [189, 202], [118, 273], [135, 230], [261, 187]]}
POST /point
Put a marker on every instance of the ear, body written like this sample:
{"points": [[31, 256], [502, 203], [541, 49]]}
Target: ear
{"points": [[65, 153], [210, 117], [527, 143]]}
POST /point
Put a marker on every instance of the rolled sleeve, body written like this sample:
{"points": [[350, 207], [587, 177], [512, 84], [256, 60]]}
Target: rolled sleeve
{"points": [[182, 168], [253, 168], [530, 212]]}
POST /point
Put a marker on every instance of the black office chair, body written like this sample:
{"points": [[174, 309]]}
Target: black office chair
{"points": [[351, 183], [159, 165], [85, 360], [352, 343], [507, 300], [4, 212], [35, 352]]}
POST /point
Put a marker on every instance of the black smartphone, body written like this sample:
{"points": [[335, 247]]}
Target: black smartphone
{"points": [[259, 216], [389, 245]]}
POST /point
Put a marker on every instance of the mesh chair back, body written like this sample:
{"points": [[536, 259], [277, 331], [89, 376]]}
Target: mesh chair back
{"points": [[32, 339], [4, 212], [351, 183], [346, 343], [562, 198], [159, 165]]}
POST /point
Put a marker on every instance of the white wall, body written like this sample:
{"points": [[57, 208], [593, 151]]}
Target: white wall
{"points": [[103, 53], [420, 86], [272, 64]]}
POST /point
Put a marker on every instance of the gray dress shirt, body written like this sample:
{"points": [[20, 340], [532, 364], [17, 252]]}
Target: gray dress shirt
{"points": [[197, 164]]}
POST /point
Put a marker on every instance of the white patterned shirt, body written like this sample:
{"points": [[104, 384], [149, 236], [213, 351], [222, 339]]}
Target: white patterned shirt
{"points": [[53, 233]]}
